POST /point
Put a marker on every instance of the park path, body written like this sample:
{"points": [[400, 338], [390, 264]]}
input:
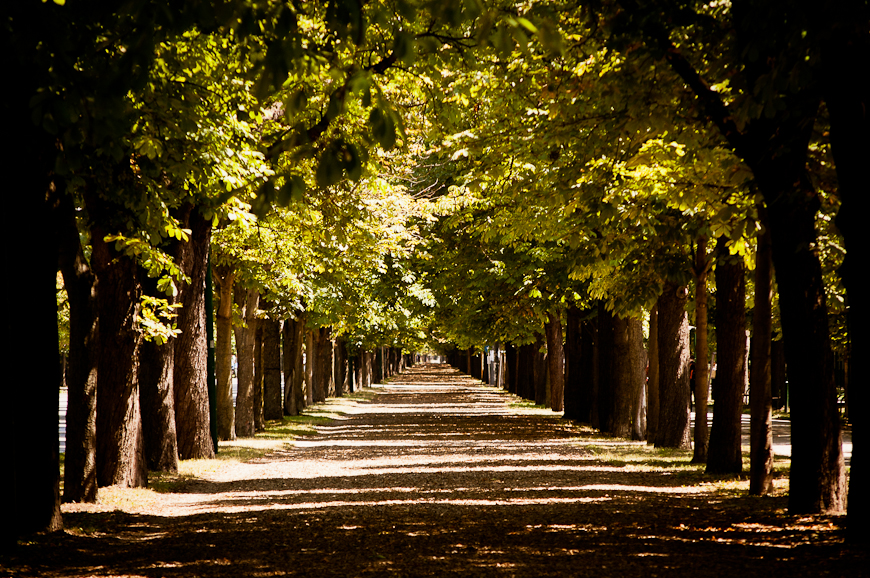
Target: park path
{"points": [[437, 475]]}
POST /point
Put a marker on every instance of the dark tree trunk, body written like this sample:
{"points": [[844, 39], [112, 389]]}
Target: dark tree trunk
{"points": [[555, 361], [225, 275], [156, 363], [604, 398], [511, 355], [294, 368], [31, 478], [573, 350], [192, 417], [526, 372], [725, 456], [341, 367], [248, 300], [761, 426], [652, 414], [541, 393], [259, 417], [701, 377], [626, 371], [120, 445], [673, 341], [325, 365], [80, 475], [846, 49], [310, 364]]}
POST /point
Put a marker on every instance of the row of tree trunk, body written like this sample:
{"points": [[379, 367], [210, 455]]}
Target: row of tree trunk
{"points": [[600, 372]]}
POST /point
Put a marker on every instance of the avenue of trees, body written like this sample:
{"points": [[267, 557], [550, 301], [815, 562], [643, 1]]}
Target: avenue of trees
{"points": [[595, 196]]}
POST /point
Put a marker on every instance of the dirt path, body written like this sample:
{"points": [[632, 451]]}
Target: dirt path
{"points": [[438, 476]]}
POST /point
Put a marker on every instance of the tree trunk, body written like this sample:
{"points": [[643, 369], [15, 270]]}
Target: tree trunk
{"points": [[526, 372], [225, 275], [259, 417], [511, 354], [725, 456], [310, 364], [120, 445], [325, 365], [156, 364], [247, 301], [817, 481], [702, 372], [652, 414], [80, 476], [637, 362], [539, 372], [604, 395], [192, 416], [673, 342], [846, 48], [573, 350], [761, 426], [626, 373], [31, 478], [555, 361], [341, 367], [294, 368]]}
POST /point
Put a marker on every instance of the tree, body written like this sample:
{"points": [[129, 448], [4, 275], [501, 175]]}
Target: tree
{"points": [[725, 453], [673, 342]]}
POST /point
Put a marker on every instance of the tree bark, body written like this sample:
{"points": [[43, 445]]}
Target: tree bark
{"points": [[702, 357], [156, 364], [80, 476], [511, 354], [310, 364], [294, 367], [652, 415], [259, 418], [845, 49], [248, 301], [225, 275], [673, 342], [761, 426], [725, 456], [325, 386], [192, 417], [31, 478], [341, 367], [604, 398], [555, 361], [526, 372], [120, 444]]}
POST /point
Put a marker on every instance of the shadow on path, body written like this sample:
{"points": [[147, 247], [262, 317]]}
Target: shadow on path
{"points": [[438, 476]]}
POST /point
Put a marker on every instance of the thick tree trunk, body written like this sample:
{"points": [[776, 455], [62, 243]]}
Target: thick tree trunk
{"points": [[604, 394], [673, 341], [702, 354], [192, 416], [31, 475], [325, 365], [80, 476], [846, 49], [626, 377], [573, 350], [526, 371], [225, 275], [120, 444], [555, 361], [725, 456], [652, 415], [539, 372], [156, 397], [247, 301], [637, 377], [294, 367], [761, 426]]}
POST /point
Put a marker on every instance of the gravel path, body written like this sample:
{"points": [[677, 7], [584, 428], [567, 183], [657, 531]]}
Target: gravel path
{"points": [[438, 476]]}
